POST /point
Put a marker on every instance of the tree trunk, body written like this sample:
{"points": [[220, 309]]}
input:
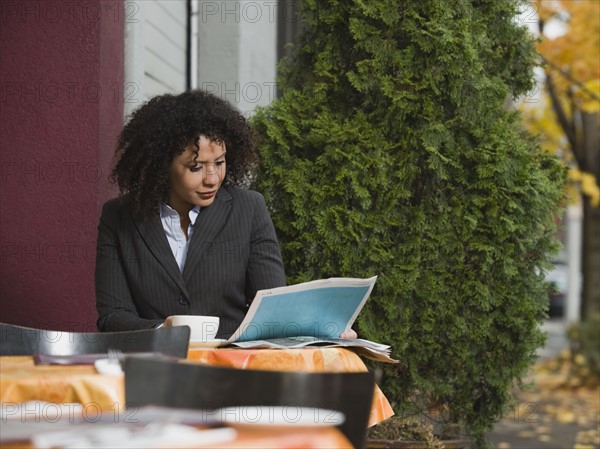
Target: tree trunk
{"points": [[590, 304], [590, 301], [582, 130]]}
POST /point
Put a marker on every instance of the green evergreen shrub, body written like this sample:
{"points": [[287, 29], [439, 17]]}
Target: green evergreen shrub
{"points": [[390, 152]]}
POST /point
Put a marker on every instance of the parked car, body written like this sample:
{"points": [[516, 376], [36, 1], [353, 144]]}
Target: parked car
{"points": [[557, 292]]}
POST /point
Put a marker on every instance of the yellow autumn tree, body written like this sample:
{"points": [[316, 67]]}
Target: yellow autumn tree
{"points": [[568, 118]]}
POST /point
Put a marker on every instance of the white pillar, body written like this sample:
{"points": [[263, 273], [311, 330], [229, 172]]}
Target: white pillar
{"points": [[258, 55], [194, 11], [574, 224], [133, 85], [237, 51]]}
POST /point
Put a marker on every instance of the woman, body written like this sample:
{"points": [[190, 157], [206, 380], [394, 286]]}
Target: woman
{"points": [[182, 237]]}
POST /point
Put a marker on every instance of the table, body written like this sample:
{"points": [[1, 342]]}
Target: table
{"points": [[306, 359], [21, 380], [100, 395]]}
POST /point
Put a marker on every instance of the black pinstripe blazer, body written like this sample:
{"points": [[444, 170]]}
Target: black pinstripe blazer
{"points": [[233, 253]]}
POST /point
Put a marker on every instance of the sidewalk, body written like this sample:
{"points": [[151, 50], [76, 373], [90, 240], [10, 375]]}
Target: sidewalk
{"points": [[556, 340], [549, 417]]}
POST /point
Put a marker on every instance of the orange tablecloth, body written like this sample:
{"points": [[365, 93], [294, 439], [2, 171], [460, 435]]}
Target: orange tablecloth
{"points": [[21, 380], [305, 359], [322, 438]]}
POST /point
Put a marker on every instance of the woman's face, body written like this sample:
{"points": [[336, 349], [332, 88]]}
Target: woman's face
{"points": [[194, 181]]}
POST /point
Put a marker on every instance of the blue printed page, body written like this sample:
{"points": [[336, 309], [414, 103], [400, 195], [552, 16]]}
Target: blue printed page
{"points": [[321, 309]]}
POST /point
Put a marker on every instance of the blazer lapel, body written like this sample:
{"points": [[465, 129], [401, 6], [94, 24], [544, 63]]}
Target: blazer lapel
{"points": [[208, 224], [153, 234]]}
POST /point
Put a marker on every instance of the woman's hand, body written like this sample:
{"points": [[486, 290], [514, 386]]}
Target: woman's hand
{"points": [[349, 334]]}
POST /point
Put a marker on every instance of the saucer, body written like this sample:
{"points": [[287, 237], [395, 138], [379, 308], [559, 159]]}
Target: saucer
{"points": [[279, 416], [207, 344]]}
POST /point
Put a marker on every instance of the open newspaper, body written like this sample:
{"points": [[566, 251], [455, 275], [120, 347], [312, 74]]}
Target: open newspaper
{"points": [[311, 313]]}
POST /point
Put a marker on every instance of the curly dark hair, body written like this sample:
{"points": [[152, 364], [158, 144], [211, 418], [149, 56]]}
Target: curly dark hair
{"points": [[161, 129]]}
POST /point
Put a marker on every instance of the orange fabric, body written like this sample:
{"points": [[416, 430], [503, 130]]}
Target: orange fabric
{"points": [[21, 380], [306, 359], [265, 438]]}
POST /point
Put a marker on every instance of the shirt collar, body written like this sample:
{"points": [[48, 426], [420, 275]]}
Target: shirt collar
{"points": [[168, 211]]}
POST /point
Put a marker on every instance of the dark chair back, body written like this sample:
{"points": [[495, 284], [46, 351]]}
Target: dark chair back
{"points": [[20, 340], [195, 386]]}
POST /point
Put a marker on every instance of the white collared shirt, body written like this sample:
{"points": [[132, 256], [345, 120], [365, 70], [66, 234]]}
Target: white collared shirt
{"points": [[172, 226]]}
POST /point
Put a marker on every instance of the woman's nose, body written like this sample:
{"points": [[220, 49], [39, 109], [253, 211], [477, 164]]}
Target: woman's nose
{"points": [[211, 174]]}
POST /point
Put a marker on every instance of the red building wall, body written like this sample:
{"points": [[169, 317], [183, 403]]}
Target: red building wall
{"points": [[61, 78]]}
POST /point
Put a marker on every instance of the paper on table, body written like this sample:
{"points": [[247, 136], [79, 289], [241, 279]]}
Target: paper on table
{"points": [[149, 426], [323, 309], [120, 436], [40, 411], [366, 348], [21, 420]]}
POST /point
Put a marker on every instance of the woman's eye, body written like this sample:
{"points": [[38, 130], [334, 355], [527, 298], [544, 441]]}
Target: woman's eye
{"points": [[219, 163], [196, 168]]}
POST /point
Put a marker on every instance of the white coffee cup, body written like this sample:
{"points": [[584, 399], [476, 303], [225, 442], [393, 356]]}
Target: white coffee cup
{"points": [[203, 328]]}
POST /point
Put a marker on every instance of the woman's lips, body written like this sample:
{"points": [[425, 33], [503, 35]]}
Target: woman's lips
{"points": [[207, 195]]}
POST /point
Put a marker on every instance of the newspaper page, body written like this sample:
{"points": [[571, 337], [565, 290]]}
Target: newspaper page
{"points": [[322, 309], [312, 313]]}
